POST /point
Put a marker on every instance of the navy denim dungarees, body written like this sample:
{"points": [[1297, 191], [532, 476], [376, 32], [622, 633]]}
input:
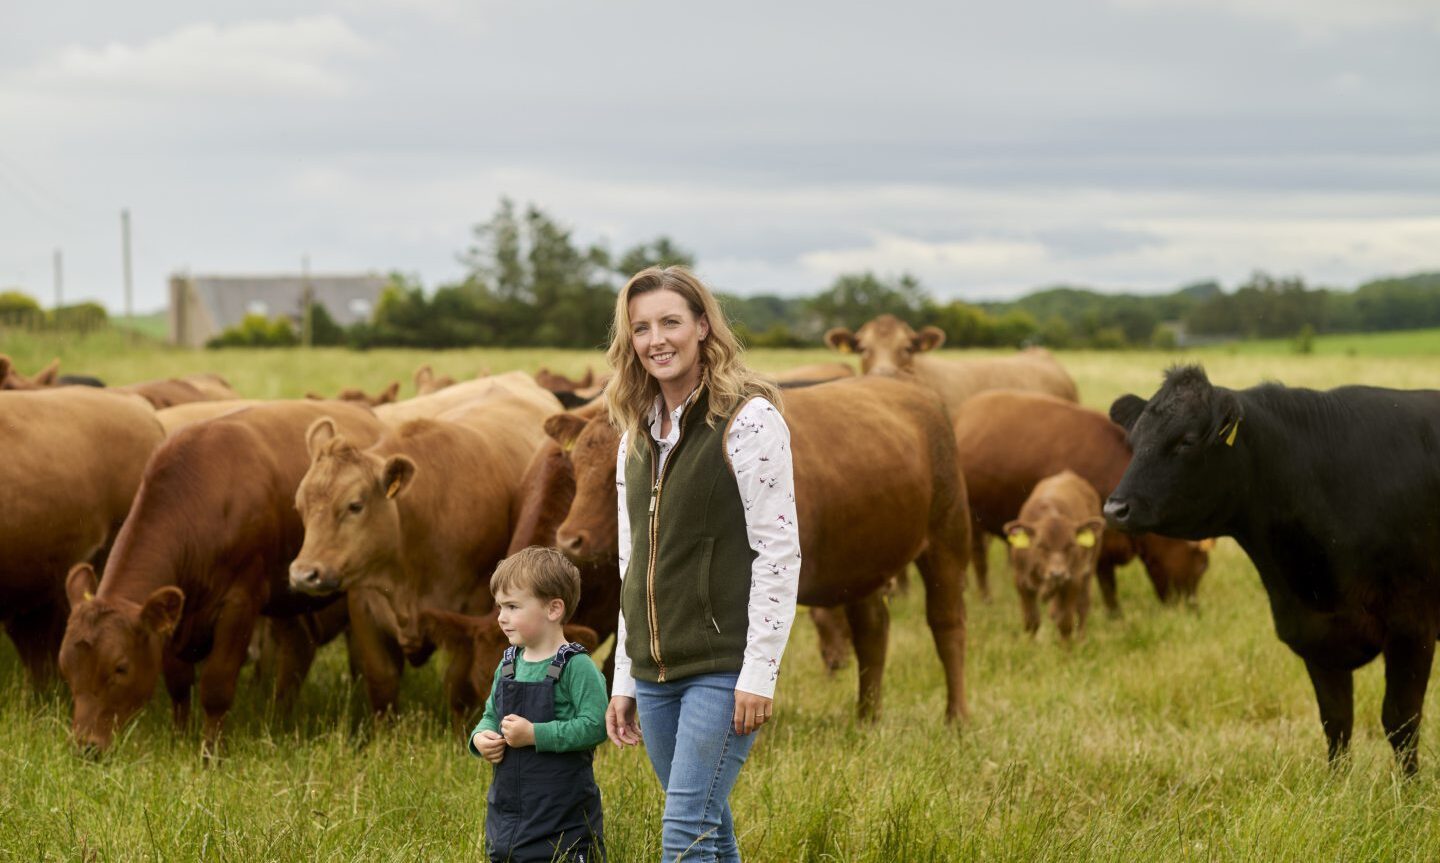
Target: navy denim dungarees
{"points": [[543, 806]]}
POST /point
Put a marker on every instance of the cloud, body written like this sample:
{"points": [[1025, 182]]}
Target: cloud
{"points": [[253, 58], [1320, 19]]}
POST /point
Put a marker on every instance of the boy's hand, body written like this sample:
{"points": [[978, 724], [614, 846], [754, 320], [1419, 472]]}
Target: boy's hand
{"points": [[621, 723], [491, 746], [518, 730]]}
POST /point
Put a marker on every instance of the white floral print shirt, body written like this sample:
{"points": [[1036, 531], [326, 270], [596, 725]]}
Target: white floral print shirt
{"points": [[758, 445]]}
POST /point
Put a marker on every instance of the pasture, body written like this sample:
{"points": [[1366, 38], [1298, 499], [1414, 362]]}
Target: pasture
{"points": [[1170, 734]]}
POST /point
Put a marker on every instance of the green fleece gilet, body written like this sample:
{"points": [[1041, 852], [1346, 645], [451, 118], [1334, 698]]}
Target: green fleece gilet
{"points": [[687, 614]]}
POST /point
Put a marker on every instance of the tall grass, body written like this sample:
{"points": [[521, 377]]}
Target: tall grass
{"points": [[1168, 734]]}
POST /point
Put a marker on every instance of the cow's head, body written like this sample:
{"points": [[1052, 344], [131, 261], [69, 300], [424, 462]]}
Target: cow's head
{"points": [[1052, 551], [1183, 479], [111, 655], [481, 640], [886, 345], [589, 533], [347, 503], [426, 381], [11, 379]]}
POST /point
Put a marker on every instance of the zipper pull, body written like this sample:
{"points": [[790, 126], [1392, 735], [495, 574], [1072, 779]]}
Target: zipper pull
{"points": [[654, 495]]}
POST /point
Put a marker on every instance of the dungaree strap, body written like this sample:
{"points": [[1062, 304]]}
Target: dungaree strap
{"points": [[562, 656], [507, 663]]}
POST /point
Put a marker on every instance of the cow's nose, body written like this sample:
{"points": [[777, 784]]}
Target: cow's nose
{"points": [[1056, 575], [573, 544], [304, 575], [1117, 511]]}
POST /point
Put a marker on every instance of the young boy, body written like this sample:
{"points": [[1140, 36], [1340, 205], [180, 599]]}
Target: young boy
{"points": [[543, 720]]}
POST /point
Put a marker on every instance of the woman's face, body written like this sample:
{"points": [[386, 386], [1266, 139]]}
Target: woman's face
{"points": [[667, 337]]}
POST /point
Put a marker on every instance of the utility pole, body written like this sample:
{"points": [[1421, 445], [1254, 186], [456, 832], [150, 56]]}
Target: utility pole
{"points": [[59, 279], [307, 323], [125, 248]]}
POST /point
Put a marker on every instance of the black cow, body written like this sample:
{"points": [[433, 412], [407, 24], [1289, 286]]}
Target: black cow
{"points": [[1335, 496]]}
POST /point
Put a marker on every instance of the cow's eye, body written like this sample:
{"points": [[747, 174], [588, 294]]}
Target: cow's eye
{"points": [[356, 506], [1187, 442], [122, 669]]}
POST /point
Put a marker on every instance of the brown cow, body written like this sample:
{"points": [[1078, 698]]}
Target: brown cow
{"points": [[812, 373], [870, 500], [73, 460], [1054, 544], [1009, 441], [205, 551], [427, 382], [559, 383], [175, 418], [514, 385], [887, 345], [213, 386], [422, 516], [11, 379], [355, 394], [479, 640]]}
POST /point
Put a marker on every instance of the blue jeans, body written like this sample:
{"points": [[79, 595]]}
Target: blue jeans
{"points": [[689, 729]]}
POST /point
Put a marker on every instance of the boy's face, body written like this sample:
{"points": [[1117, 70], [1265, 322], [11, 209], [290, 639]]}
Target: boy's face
{"points": [[527, 620]]}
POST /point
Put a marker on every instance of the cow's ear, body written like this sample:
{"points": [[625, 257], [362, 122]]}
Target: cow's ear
{"points": [[5, 367], [588, 380], [423, 376], [389, 395], [161, 612], [1019, 534], [449, 629], [1087, 533], [841, 339], [81, 584], [583, 635], [315, 397], [396, 474], [1125, 410], [46, 376], [321, 432], [1227, 413], [565, 428], [928, 339]]}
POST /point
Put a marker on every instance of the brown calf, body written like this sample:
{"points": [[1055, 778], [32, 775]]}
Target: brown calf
{"points": [[1053, 548], [73, 460], [204, 552], [421, 517], [1009, 441]]}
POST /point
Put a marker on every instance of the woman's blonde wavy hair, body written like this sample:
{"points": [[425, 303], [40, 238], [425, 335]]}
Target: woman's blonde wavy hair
{"points": [[632, 390]]}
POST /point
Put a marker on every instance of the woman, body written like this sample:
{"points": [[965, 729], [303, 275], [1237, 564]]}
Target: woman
{"points": [[709, 551]]}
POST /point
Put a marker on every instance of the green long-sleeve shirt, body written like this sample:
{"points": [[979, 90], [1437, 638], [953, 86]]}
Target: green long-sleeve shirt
{"points": [[580, 703]]}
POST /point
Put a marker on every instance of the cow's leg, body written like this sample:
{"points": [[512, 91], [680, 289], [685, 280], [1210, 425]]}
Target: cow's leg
{"points": [[179, 680], [375, 652], [870, 627], [294, 648], [1062, 611], [1105, 575], [221, 670], [37, 634], [1029, 609], [834, 636], [1082, 605], [942, 566], [979, 548], [1335, 692], [458, 689], [1407, 671]]}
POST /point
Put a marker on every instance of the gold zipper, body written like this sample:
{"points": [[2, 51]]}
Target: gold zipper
{"points": [[659, 480]]}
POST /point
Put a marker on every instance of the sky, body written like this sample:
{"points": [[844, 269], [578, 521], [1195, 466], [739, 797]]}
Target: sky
{"points": [[989, 149]]}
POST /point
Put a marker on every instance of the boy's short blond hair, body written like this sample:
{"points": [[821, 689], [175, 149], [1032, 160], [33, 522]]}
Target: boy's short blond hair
{"points": [[546, 573]]}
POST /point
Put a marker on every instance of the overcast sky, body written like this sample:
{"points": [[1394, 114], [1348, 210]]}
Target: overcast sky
{"points": [[987, 148]]}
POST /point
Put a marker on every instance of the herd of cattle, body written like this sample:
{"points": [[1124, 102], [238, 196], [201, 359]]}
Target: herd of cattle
{"points": [[156, 528]]}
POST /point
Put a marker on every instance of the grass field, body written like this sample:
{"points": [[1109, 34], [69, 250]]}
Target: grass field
{"points": [[1170, 734]]}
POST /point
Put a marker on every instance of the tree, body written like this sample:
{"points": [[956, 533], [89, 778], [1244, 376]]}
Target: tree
{"points": [[856, 298], [659, 252], [19, 309]]}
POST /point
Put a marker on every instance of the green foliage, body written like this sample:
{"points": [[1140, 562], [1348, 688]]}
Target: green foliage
{"points": [[324, 331], [18, 309], [1305, 340], [855, 298], [659, 252], [257, 331]]}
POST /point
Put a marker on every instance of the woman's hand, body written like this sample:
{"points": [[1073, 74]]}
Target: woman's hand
{"points": [[491, 745], [621, 722], [751, 711]]}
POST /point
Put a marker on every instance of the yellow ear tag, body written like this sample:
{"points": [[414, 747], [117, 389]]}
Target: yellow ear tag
{"points": [[1018, 539], [568, 445], [1230, 439], [394, 487], [1085, 538], [89, 596], [844, 347]]}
